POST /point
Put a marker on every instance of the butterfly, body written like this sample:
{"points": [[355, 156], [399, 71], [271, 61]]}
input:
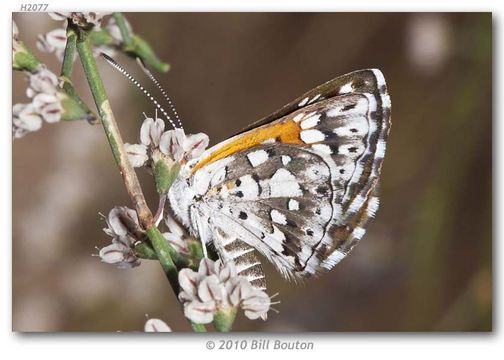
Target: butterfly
{"points": [[297, 186]]}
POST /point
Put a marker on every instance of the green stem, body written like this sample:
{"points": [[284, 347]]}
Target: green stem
{"points": [[162, 248], [224, 319], [135, 46], [164, 251], [112, 130], [198, 327], [123, 28], [69, 55]]}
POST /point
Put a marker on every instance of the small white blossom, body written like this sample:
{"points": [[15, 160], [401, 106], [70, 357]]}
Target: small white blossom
{"points": [[151, 131], [122, 221], [195, 145], [25, 119], [172, 144], [156, 325], [43, 81], [217, 287], [200, 312], [137, 154], [176, 236], [124, 228], [48, 106], [53, 42], [119, 254], [181, 147]]}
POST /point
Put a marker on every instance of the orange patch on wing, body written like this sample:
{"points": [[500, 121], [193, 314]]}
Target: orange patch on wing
{"points": [[286, 132]]}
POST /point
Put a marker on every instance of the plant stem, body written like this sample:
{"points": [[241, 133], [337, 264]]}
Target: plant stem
{"points": [[112, 130], [69, 55], [162, 249], [224, 319], [123, 28], [198, 327], [135, 46], [165, 253]]}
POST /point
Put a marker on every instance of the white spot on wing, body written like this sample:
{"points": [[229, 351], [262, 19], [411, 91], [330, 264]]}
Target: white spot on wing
{"points": [[380, 148], [310, 122], [316, 172], [293, 205], [386, 101], [380, 79], [314, 99], [357, 126], [357, 149], [312, 136], [286, 159], [249, 188], [303, 102], [356, 204], [372, 206], [298, 117], [322, 148], [277, 234], [361, 107], [278, 217], [333, 259], [284, 184], [346, 88], [257, 157], [358, 232]]}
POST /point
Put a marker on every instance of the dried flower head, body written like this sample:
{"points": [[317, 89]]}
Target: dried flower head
{"points": [[215, 288]]}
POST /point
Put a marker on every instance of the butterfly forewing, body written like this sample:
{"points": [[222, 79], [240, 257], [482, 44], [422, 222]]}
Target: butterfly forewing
{"points": [[300, 184]]}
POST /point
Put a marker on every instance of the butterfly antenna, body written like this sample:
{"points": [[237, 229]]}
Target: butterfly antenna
{"points": [[158, 85], [119, 68]]}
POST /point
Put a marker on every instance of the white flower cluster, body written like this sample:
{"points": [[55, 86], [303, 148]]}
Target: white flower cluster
{"points": [[156, 143], [124, 228], [217, 287], [83, 19], [55, 40], [46, 103]]}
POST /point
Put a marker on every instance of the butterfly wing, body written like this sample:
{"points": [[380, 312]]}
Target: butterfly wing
{"points": [[300, 185]]}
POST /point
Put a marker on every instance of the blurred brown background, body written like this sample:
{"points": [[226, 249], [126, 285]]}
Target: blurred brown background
{"points": [[425, 263]]}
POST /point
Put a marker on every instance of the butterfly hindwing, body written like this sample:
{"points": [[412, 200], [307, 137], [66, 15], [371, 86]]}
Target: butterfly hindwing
{"points": [[299, 185]]}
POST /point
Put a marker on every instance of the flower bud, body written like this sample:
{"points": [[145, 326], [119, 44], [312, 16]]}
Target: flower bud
{"points": [[156, 325]]}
